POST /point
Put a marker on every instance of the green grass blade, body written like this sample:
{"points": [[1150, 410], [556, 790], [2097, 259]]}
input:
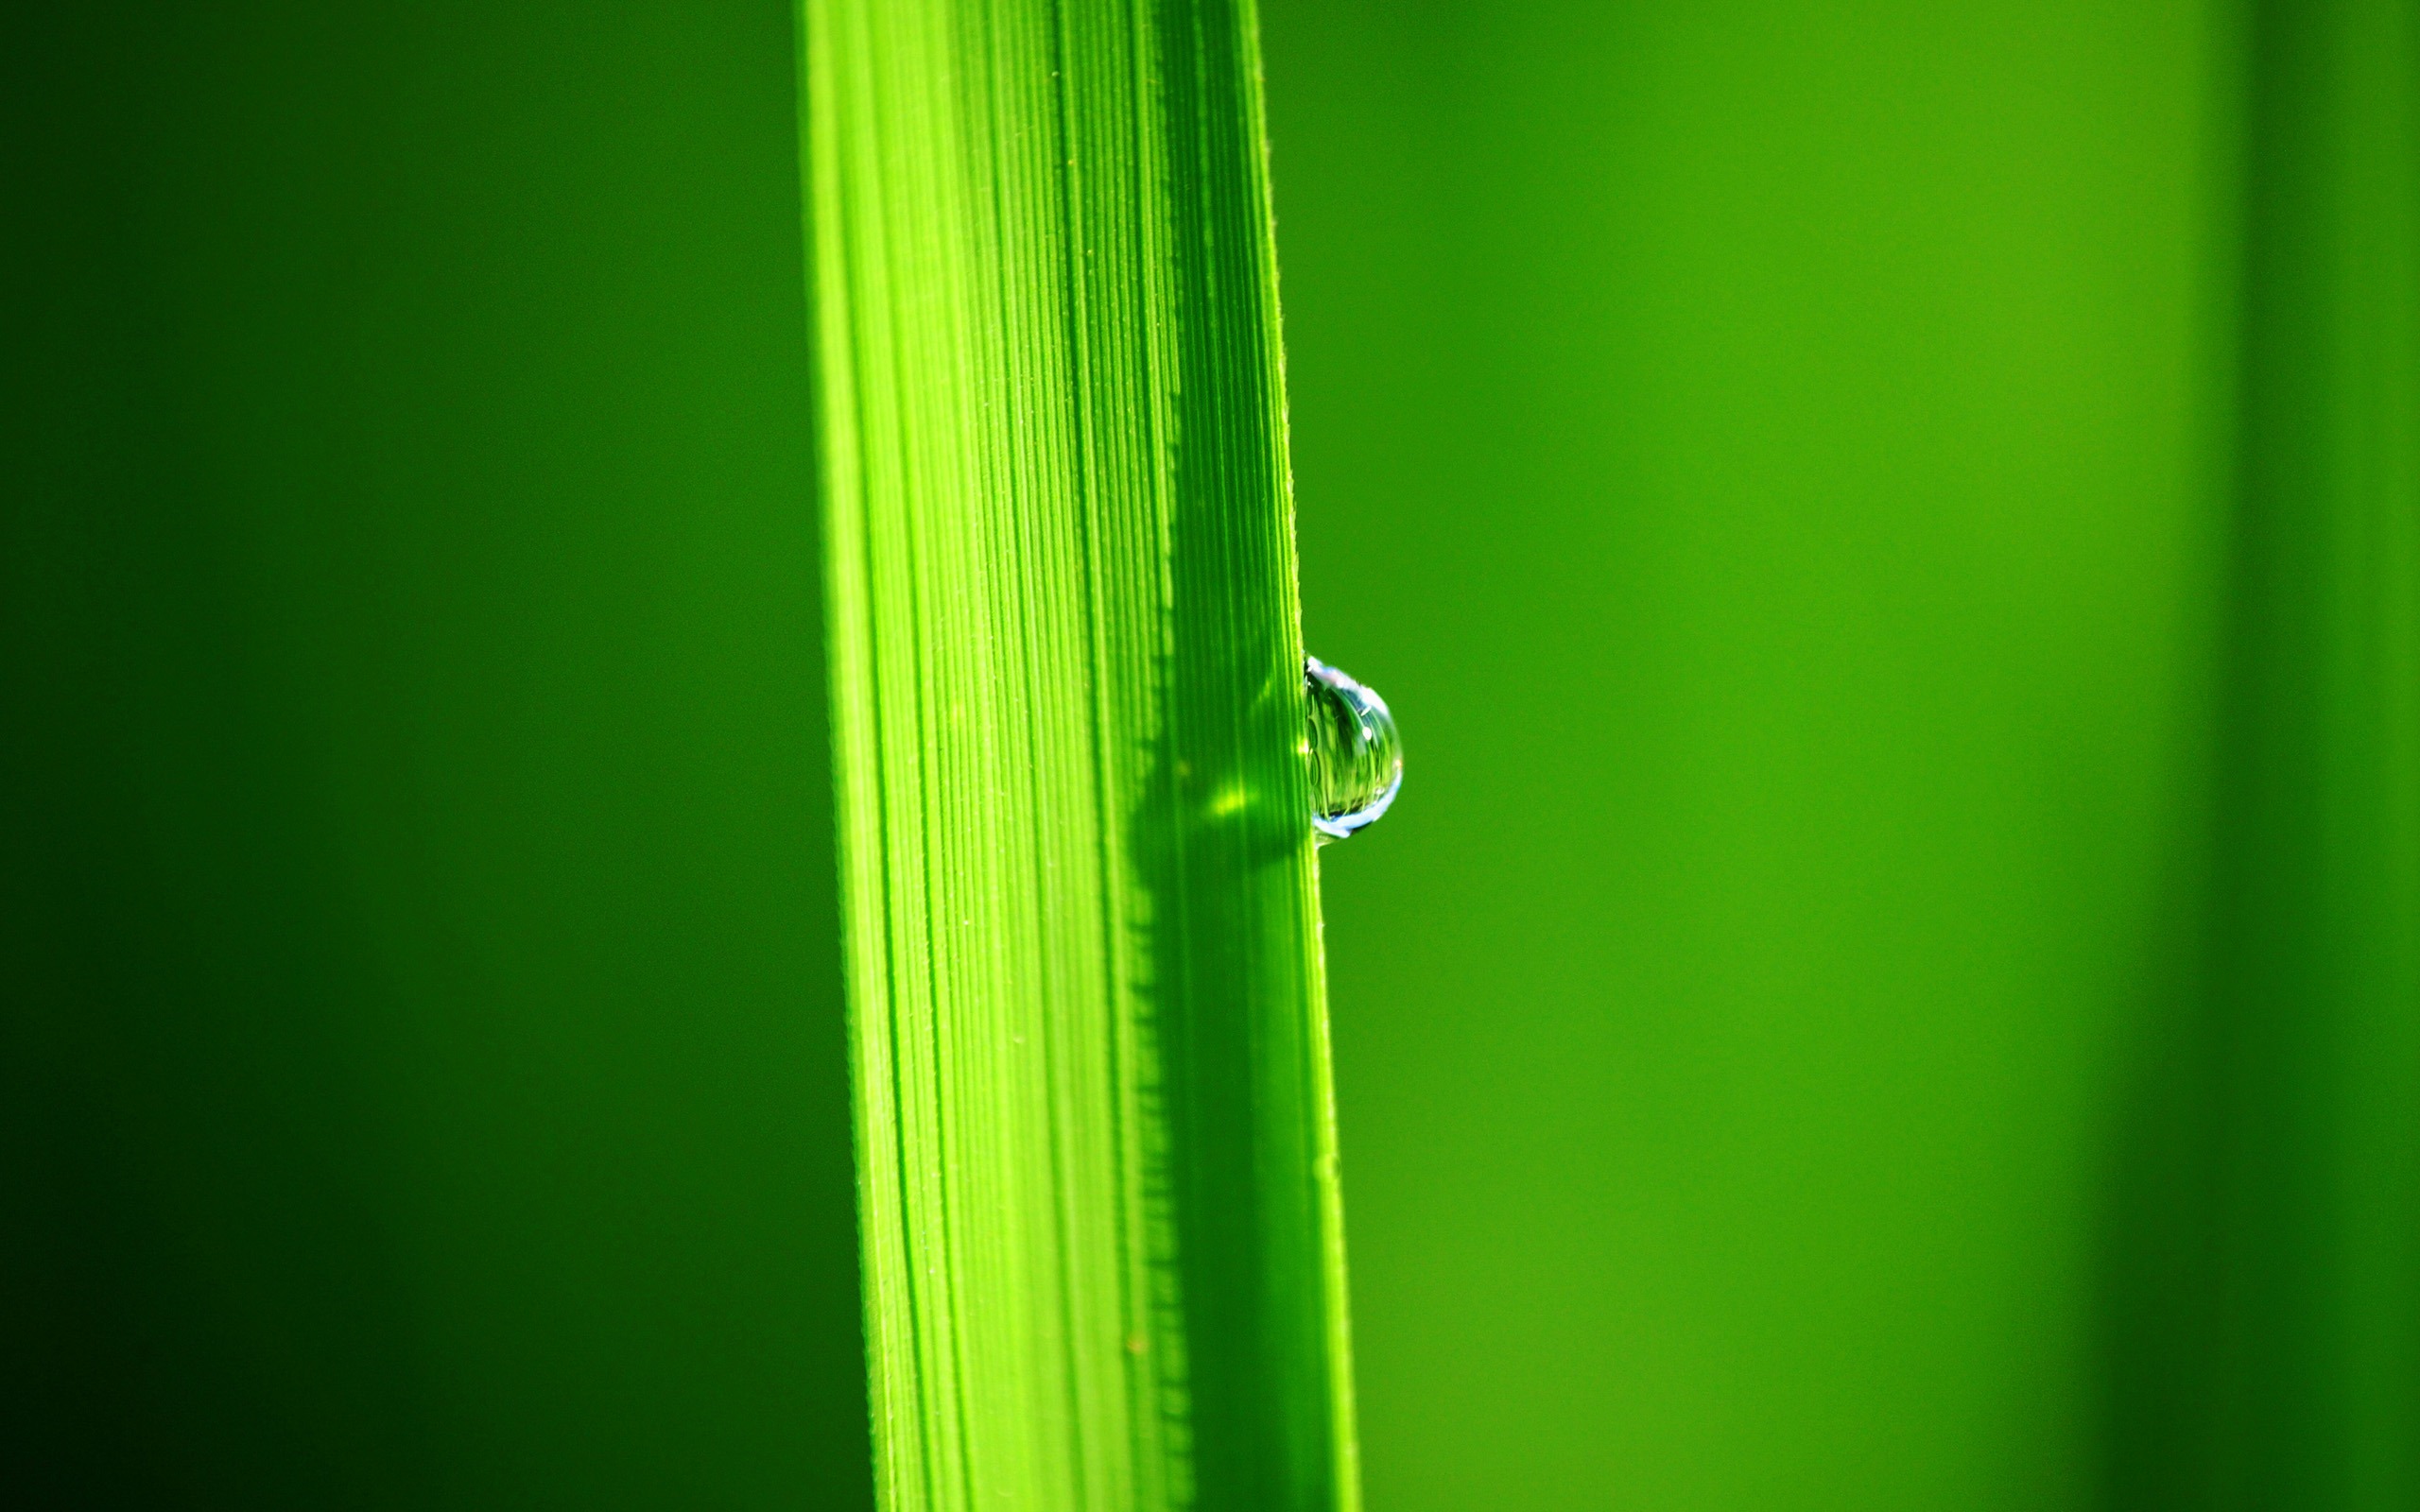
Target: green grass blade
{"points": [[1104, 1265]]}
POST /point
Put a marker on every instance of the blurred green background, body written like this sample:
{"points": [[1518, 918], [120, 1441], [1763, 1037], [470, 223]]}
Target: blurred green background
{"points": [[421, 938], [1758, 449], [1787, 465], [1889, 528]]}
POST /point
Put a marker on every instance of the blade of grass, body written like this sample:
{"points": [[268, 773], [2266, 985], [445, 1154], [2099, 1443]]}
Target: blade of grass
{"points": [[2314, 961], [2263, 1336], [1097, 1176]]}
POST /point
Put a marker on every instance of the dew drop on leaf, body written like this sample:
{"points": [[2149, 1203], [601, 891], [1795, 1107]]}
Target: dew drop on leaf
{"points": [[1356, 756]]}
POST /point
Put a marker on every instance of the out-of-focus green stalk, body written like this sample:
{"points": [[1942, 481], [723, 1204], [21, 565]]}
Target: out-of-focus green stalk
{"points": [[1104, 1266], [2318, 971], [2276, 1358]]}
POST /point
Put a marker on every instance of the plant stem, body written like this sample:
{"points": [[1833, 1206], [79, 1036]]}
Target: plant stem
{"points": [[1098, 1177]]}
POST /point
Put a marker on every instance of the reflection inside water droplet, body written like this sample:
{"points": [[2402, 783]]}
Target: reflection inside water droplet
{"points": [[1357, 758]]}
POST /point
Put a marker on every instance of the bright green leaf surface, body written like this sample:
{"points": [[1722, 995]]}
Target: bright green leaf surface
{"points": [[1098, 1160]]}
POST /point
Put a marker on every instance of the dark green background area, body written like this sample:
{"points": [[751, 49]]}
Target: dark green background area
{"points": [[426, 1082], [1891, 984]]}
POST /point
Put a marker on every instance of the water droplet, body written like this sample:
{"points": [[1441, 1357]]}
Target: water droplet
{"points": [[1356, 756]]}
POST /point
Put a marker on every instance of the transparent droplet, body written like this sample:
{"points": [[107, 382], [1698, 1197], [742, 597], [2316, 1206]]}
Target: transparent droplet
{"points": [[1356, 756]]}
